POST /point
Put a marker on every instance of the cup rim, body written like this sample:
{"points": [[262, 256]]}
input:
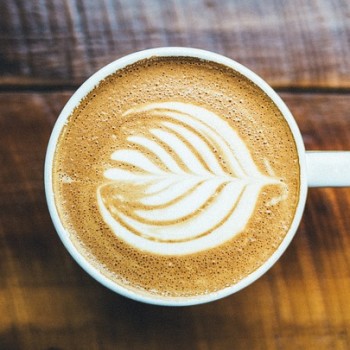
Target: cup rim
{"points": [[92, 82]]}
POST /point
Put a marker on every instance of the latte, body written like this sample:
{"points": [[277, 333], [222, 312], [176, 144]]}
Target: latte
{"points": [[176, 177]]}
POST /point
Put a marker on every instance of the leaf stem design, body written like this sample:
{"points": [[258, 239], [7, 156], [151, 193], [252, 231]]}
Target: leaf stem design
{"points": [[187, 184]]}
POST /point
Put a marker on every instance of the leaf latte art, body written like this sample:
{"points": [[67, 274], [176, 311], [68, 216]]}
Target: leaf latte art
{"points": [[184, 182]]}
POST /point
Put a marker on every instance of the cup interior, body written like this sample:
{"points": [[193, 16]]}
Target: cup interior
{"points": [[85, 89]]}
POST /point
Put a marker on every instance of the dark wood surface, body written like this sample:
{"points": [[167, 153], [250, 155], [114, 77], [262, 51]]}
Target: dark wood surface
{"points": [[47, 48]]}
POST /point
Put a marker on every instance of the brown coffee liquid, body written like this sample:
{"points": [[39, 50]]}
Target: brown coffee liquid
{"points": [[99, 126]]}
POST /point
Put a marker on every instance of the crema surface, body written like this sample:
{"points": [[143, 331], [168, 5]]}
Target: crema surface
{"points": [[176, 177]]}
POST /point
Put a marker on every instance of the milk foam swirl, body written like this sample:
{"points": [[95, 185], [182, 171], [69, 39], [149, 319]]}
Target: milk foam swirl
{"points": [[187, 185]]}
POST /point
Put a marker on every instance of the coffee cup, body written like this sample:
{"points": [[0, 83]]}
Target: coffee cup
{"points": [[176, 176]]}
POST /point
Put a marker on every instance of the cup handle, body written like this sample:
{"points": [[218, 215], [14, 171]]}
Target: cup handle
{"points": [[328, 168]]}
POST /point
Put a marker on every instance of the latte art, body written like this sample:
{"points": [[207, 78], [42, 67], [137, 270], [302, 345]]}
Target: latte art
{"points": [[188, 185], [176, 177]]}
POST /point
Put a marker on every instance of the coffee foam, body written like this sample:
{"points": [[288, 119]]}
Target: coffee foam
{"points": [[131, 126]]}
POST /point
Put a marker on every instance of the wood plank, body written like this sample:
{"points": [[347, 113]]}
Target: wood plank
{"points": [[47, 301], [293, 42]]}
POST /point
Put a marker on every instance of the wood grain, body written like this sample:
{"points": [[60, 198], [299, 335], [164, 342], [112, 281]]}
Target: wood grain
{"points": [[295, 43], [48, 302]]}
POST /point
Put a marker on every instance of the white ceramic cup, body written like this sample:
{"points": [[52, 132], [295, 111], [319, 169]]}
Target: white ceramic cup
{"points": [[316, 169]]}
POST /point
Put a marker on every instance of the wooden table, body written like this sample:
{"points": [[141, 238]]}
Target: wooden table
{"points": [[48, 48]]}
